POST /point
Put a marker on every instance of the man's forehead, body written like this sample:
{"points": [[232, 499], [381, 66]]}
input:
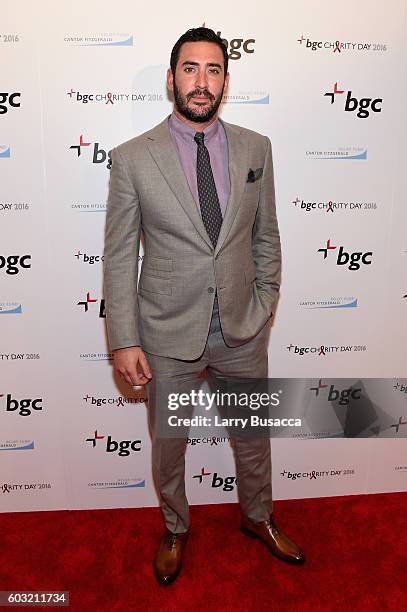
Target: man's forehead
{"points": [[201, 51]]}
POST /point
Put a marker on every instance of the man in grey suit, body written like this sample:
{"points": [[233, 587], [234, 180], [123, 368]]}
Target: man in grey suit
{"points": [[202, 193]]}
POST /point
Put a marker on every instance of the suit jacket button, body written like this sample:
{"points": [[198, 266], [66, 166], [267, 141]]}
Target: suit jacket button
{"points": [[211, 290]]}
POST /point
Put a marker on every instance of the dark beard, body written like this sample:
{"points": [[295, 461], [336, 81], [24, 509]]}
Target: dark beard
{"points": [[194, 114]]}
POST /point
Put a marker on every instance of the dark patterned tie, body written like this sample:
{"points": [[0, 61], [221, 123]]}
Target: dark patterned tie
{"points": [[208, 196]]}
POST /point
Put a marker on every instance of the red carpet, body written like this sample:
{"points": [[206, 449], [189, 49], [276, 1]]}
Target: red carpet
{"points": [[356, 550]]}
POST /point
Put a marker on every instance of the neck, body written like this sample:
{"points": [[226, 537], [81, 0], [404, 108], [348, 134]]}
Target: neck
{"points": [[198, 127]]}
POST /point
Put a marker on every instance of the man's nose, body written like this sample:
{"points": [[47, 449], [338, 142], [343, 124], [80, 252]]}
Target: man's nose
{"points": [[201, 79]]}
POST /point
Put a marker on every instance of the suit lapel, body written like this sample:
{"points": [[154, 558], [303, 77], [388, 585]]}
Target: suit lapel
{"points": [[166, 157], [238, 165]]}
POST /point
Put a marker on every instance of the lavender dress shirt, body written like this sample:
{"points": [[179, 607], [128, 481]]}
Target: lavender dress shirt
{"points": [[216, 143]]}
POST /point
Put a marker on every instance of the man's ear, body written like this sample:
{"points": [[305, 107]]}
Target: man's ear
{"points": [[170, 80], [227, 77]]}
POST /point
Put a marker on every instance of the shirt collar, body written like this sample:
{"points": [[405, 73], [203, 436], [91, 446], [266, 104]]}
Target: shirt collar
{"points": [[186, 133]]}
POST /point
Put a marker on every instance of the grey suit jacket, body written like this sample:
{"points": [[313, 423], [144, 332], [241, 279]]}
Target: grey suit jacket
{"points": [[169, 312]]}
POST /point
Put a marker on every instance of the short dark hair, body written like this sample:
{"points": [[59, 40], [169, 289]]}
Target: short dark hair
{"points": [[198, 35]]}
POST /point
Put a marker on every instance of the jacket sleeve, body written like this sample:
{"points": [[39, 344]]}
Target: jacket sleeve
{"points": [[266, 245], [121, 251]]}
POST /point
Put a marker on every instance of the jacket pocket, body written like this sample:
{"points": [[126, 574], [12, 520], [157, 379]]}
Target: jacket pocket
{"points": [[164, 264]]}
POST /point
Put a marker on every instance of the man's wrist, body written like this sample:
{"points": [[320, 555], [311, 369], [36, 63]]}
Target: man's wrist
{"points": [[123, 348]]}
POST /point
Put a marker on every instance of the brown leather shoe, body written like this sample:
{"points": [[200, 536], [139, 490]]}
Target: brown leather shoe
{"points": [[279, 544], [168, 560]]}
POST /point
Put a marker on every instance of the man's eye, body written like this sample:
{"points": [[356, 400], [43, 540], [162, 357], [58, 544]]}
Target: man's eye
{"points": [[189, 69], [214, 70]]}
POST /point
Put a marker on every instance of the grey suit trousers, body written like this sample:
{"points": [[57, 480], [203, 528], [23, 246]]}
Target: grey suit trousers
{"points": [[252, 455]]}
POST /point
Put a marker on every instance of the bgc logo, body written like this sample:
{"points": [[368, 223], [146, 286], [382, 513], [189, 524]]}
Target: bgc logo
{"points": [[99, 155], [89, 259], [235, 44], [88, 300], [12, 101], [22, 407], [343, 397], [352, 104], [122, 448], [400, 387], [12, 263], [226, 483], [398, 424], [344, 258]]}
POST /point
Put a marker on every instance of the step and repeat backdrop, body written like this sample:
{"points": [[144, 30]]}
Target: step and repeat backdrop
{"points": [[326, 83]]}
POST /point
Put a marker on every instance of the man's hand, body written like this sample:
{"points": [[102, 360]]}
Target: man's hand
{"points": [[131, 364]]}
